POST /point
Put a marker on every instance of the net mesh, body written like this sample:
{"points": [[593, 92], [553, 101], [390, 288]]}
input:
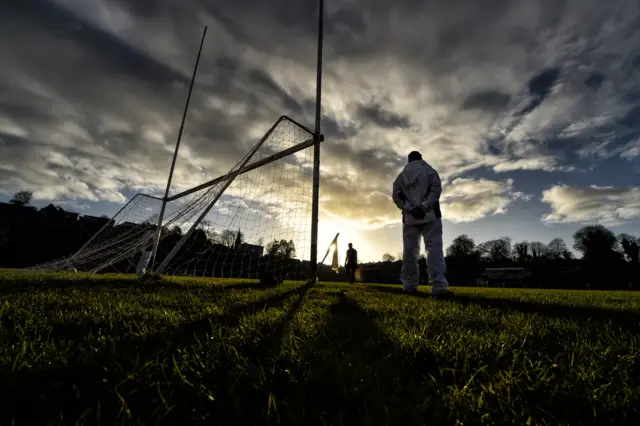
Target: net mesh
{"points": [[254, 221]]}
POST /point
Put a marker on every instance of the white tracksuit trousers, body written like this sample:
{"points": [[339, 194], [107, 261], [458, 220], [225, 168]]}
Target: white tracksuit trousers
{"points": [[432, 235]]}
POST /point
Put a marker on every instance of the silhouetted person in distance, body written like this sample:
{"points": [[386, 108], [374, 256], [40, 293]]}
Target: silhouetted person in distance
{"points": [[416, 191], [351, 263]]}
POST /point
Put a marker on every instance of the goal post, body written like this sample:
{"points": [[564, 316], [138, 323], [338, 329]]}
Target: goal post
{"points": [[175, 153], [240, 168], [315, 209], [251, 221], [270, 196]]}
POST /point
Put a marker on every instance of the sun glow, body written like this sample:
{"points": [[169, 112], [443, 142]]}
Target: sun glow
{"points": [[327, 230]]}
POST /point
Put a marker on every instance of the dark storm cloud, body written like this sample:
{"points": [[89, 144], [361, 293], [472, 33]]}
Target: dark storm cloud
{"points": [[266, 25], [336, 132], [381, 116], [612, 139], [491, 100], [632, 117], [109, 51], [349, 22], [10, 140], [539, 88], [595, 80], [541, 84], [273, 90], [377, 163]]}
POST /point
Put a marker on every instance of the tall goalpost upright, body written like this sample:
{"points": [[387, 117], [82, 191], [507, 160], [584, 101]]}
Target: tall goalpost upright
{"points": [[156, 240], [316, 148]]}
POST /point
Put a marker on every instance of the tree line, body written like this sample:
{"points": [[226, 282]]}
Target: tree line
{"points": [[608, 260]]}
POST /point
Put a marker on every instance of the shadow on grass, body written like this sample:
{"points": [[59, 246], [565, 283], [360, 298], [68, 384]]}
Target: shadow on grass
{"points": [[355, 374], [38, 396], [192, 331], [341, 377], [358, 375], [625, 319]]}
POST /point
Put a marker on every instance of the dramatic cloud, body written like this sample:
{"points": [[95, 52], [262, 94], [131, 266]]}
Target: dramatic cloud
{"points": [[631, 150], [466, 200], [92, 91], [605, 205]]}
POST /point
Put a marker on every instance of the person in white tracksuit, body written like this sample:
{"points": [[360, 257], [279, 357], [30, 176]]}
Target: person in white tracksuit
{"points": [[416, 191]]}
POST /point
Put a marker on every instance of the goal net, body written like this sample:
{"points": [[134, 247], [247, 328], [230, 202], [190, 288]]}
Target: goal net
{"points": [[251, 222]]}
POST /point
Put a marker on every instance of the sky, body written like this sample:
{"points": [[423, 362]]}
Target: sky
{"points": [[528, 109]]}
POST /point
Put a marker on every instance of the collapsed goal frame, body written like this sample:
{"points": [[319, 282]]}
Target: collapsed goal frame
{"points": [[266, 195], [227, 179]]}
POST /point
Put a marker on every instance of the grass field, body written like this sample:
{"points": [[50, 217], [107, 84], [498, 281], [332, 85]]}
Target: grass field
{"points": [[75, 350]]}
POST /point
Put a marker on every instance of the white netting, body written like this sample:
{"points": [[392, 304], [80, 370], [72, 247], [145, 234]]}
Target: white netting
{"points": [[260, 224]]}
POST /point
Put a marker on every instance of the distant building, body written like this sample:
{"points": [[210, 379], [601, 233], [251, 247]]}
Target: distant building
{"points": [[504, 277], [246, 250], [128, 225], [10, 212], [250, 249], [14, 215], [55, 212], [99, 220]]}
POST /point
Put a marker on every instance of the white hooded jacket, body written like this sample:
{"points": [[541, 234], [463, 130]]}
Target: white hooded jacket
{"points": [[418, 185]]}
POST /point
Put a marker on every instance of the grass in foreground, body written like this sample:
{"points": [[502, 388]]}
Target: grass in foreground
{"points": [[80, 351]]}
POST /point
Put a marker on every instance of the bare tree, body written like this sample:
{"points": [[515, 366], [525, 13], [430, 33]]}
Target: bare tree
{"points": [[462, 246], [521, 251], [388, 258], [22, 198], [556, 248], [227, 237], [282, 249], [595, 242], [630, 247], [210, 231], [538, 250], [496, 250]]}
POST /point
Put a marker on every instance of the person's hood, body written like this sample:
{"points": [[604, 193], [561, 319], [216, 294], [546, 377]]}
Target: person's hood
{"points": [[412, 171]]}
